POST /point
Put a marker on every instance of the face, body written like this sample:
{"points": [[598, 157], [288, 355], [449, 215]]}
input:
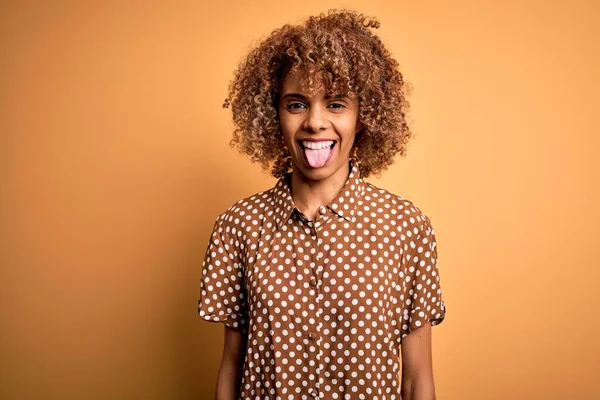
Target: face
{"points": [[318, 131]]}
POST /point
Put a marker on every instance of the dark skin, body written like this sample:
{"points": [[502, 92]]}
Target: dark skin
{"points": [[230, 371], [302, 117], [417, 368]]}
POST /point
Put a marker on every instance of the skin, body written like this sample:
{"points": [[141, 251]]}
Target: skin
{"points": [[318, 116], [417, 369], [229, 378]]}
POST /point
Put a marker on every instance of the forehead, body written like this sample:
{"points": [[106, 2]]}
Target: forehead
{"points": [[311, 84]]}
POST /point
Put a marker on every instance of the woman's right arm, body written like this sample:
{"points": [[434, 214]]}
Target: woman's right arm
{"points": [[230, 372]]}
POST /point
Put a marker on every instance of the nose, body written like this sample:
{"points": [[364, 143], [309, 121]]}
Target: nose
{"points": [[316, 120]]}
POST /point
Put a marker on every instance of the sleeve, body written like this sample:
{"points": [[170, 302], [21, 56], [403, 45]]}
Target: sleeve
{"points": [[422, 292], [222, 288]]}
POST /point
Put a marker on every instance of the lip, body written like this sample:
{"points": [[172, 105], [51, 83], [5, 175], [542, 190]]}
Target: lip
{"points": [[316, 140]]}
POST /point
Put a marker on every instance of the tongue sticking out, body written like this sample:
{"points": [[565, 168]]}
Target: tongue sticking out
{"points": [[318, 157]]}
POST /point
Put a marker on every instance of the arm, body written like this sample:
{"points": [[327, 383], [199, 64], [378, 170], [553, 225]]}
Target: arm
{"points": [[417, 370], [230, 372]]}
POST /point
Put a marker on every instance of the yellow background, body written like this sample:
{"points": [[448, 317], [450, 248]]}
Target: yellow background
{"points": [[114, 163]]}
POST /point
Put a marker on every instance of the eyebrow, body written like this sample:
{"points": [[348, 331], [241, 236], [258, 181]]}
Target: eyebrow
{"points": [[301, 96]]}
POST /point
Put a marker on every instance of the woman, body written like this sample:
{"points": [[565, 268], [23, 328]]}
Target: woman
{"points": [[324, 282]]}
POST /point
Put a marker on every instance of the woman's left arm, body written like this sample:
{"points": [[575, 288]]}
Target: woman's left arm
{"points": [[417, 369]]}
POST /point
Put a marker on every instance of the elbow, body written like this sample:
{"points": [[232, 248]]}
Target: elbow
{"points": [[406, 389], [417, 387]]}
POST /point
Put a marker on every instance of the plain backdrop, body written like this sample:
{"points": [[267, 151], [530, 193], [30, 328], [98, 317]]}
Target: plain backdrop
{"points": [[114, 163]]}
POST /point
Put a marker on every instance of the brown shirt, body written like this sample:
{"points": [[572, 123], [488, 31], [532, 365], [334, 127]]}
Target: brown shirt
{"points": [[325, 303]]}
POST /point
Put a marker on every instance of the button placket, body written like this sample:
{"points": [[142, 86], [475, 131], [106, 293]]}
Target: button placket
{"points": [[313, 347], [318, 257]]}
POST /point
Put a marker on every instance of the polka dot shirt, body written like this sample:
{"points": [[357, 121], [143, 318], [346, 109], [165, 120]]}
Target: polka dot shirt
{"points": [[325, 303]]}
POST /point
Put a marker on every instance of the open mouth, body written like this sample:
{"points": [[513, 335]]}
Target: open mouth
{"points": [[317, 153]]}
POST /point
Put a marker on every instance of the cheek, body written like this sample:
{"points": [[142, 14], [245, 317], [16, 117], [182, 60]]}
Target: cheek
{"points": [[285, 130], [347, 128], [289, 126]]}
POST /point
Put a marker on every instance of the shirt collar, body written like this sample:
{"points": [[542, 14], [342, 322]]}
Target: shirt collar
{"points": [[344, 205]]}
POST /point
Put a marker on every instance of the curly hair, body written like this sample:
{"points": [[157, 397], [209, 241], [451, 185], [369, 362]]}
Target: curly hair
{"points": [[339, 47]]}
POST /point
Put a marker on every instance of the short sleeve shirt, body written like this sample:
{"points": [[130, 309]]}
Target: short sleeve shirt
{"points": [[325, 303]]}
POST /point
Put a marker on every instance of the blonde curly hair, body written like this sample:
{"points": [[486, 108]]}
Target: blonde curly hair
{"points": [[339, 47]]}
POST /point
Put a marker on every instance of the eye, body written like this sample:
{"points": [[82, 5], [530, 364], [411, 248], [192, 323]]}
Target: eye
{"points": [[295, 106], [337, 106]]}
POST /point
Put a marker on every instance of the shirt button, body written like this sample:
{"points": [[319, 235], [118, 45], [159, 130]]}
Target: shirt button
{"points": [[322, 210], [313, 336], [313, 392], [313, 281]]}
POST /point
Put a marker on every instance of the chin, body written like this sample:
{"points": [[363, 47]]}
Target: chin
{"points": [[322, 173], [318, 174]]}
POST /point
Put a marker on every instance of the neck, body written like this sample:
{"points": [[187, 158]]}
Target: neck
{"points": [[308, 195]]}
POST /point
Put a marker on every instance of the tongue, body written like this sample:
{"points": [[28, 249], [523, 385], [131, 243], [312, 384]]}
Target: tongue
{"points": [[317, 158]]}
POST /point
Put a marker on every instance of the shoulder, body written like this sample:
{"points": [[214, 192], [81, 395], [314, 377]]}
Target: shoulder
{"points": [[402, 211], [247, 211]]}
